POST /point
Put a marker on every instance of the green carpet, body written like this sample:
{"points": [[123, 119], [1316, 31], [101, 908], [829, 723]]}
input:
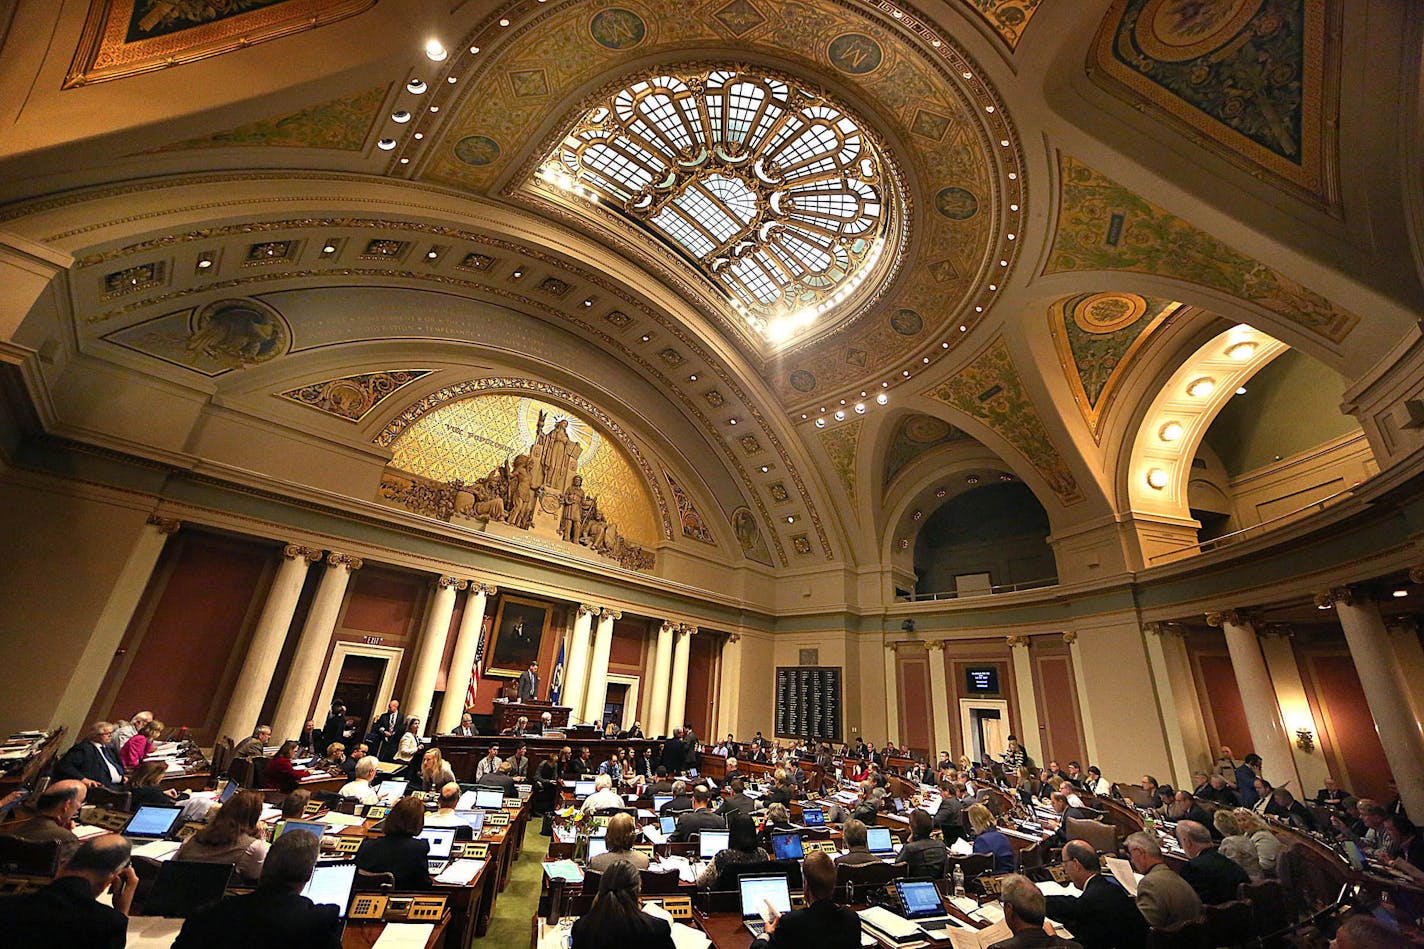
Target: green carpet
{"points": [[514, 909]]}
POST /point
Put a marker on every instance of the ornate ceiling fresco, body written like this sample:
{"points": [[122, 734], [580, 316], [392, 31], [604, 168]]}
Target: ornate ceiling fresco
{"points": [[343, 124], [839, 445], [353, 397], [1009, 18], [915, 435], [1253, 78]]}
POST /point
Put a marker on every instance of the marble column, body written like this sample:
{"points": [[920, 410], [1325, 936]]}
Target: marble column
{"points": [[939, 700], [730, 688], [1085, 707], [420, 692], [677, 696], [1404, 635], [462, 661], [113, 622], [597, 695], [1295, 707], [1160, 638], [255, 678], [576, 666], [304, 675], [1385, 691], [660, 680], [892, 695], [1030, 738], [1258, 697]]}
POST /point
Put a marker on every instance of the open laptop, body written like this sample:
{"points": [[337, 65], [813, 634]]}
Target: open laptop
{"points": [[667, 824], [489, 798], [879, 841], [391, 791], [583, 788], [331, 884], [153, 823], [596, 846], [227, 792], [315, 828], [475, 820], [813, 817], [711, 843], [441, 840], [757, 893], [183, 886], [787, 847], [660, 801], [466, 801], [920, 903], [1354, 855]]}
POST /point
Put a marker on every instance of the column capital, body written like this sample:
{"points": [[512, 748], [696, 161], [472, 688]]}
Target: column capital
{"points": [[669, 625], [1276, 631], [1017, 642], [478, 587], [606, 613], [446, 583], [937, 644], [1416, 573], [1164, 629], [164, 525], [893, 645], [687, 629], [1231, 617], [344, 560], [1070, 637], [309, 554], [585, 610], [734, 637]]}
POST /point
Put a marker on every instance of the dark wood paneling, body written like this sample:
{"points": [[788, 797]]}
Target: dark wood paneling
{"points": [[701, 668], [1348, 730], [916, 718], [1062, 721]]}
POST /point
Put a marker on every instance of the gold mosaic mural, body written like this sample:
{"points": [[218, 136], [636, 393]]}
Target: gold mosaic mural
{"points": [[466, 439], [353, 397], [839, 444], [1009, 18], [1104, 226], [340, 124]]}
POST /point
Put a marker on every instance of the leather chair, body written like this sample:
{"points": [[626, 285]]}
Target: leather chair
{"points": [[730, 878], [859, 880], [110, 799], [222, 758], [1136, 795], [29, 857], [1231, 924], [1269, 907], [658, 883], [241, 771], [1193, 934], [1101, 837], [972, 865], [591, 880]]}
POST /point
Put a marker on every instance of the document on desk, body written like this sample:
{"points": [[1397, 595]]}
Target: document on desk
{"points": [[157, 849], [404, 936], [961, 848], [563, 870], [1052, 888], [88, 830], [460, 872], [979, 938], [152, 932], [1122, 873], [338, 819], [683, 936]]}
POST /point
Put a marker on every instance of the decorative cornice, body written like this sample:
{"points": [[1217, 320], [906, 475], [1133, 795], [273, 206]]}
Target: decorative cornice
{"points": [[1013, 641], [734, 638], [893, 645], [1070, 637], [446, 583], [1231, 617], [164, 525], [1165, 629], [687, 629], [1344, 595], [309, 554], [344, 560]]}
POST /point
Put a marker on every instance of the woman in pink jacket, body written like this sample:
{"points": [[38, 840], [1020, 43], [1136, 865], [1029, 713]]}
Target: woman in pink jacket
{"points": [[140, 746]]}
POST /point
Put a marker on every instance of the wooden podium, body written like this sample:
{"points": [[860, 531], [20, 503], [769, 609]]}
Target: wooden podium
{"points": [[506, 712]]}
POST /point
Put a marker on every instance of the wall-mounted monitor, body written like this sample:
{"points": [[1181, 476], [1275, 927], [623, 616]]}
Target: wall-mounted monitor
{"points": [[981, 680]]}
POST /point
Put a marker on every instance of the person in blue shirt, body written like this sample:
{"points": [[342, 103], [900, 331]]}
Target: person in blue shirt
{"points": [[988, 839]]}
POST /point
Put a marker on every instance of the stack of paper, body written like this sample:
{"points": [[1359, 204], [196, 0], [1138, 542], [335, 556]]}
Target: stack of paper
{"points": [[1123, 873], [460, 872], [404, 936], [1051, 888], [563, 870]]}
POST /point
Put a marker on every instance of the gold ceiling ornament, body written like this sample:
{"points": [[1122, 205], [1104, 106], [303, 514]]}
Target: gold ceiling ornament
{"points": [[1069, 638]]}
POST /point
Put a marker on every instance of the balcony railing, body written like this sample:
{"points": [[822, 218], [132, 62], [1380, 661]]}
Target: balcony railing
{"points": [[996, 588], [1226, 540]]}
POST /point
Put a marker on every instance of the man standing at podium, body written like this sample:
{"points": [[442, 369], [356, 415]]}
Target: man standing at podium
{"points": [[529, 683]]}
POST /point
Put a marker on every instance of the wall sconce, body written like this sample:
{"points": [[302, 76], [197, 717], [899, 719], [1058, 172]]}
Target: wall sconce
{"points": [[1305, 740]]}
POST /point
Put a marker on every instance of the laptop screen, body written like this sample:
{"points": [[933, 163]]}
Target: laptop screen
{"points": [[228, 791], [182, 886], [813, 817], [391, 791], [759, 891], [330, 884], [441, 839], [492, 798], [878, 839], [668, 824], [659, 800], [787, 846], [1353, 854], [711, 843], [596, 846], [475, 820], [919, 899], [315, 828], [153, 821], [583, 788]]}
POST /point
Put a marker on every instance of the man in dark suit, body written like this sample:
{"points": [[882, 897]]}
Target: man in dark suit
{"points": [[736, 799], [67, 910], [674, 753], [502, 778], [1213, 876], [92, 760], [466, 728], [699, 818], [681, 799], [1024, 914], [275, 914], [55, 811], [384, 731], [950, 816], [1059, 801], [822, 923], [1246, 776], [1105, 916], [1185, 807], [529, 683]]}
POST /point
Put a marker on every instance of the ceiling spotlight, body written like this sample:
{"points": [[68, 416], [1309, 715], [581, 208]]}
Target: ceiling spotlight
{"points": [[840, 415], [1201, 388], [386, 144], [329, 249], [518, 273], [693, 378], [415, 86], [1241, 390], [1241, 351], [1170, 432], [1324, 605], [646, 337], [474, 50], [972, 479], [435, 52], [405, 161], [1400, 594], [791, 518], [204, 262], [400, 116], [731, 421], [1157, 478], [821, 422], [860, 408], [504, 21], [765, 468], [882, 398], [432, 255]]}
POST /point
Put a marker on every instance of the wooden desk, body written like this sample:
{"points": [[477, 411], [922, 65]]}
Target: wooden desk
{"points": [[463, 754], [363, 933], [504, 714], [715, 766], [25, 775]]}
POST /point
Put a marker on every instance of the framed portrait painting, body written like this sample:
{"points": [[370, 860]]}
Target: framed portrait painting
{"points": [[518, 632]]}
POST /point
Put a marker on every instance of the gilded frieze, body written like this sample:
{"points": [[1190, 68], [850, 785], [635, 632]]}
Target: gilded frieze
{"points": [[353, 397]]}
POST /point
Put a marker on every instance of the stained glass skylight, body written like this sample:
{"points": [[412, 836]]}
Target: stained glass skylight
{"points": [[776, 193]]}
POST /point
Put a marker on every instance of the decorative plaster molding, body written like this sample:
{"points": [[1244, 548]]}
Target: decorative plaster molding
{"points": [[1016, 641], [164, 525], [1416, 574], [447, 582], [344, 560], [606, 613], [1232, 617], [937, 644], [293, 551], [586, 610], [478, 587], [1070, 637]]}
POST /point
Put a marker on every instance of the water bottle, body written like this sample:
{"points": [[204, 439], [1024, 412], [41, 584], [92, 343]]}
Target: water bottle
{"points": [[958, 881]]}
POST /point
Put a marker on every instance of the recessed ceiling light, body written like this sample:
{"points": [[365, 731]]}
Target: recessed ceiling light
{"points": [[432, 255], [588, 301], [821, 422], [840, 415], [882, 398], [842, 401], [860, 408], [452, 79], [435, 52], [1400, 594], [1241, 390], [435, 108], [204, 263], [766, 468], [419, 136], [415, 86], [386, 144], [401, 116], [1157, 478], [791, 518], [1200, 388], [518, 273], [1170, 432], [731, 421], [646, 337], [1241, 351], [504, 21], [329, 249], [693, 378], [972, 479], [405, 161]]}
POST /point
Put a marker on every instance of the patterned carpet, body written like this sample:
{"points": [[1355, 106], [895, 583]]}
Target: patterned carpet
{"points": [[510, 926]]}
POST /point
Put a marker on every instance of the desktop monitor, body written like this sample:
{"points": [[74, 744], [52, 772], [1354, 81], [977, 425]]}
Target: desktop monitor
{"points": [[918, 899], [331, 884], [583, 788], [391, 791], [757, 891], [489, 798], [315, 828], [813, 817], [228, 791], [661, 800], [596, 846], [878, 840], [441, 839], [183, 886], [711, 843], [667, 824], [786, 847], [153, 822]]}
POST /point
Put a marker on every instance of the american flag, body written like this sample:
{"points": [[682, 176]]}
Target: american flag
{"points": [[475, 672], [556, 681]]}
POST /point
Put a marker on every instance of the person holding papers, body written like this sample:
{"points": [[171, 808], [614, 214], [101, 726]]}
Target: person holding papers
{"points": [[1024, 914], [232, 836], [822, 923], [1104, 917], [616, 920], [1163, 897]]}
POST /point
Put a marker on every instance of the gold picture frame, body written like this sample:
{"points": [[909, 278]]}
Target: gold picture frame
{"points": [[512, 646]]}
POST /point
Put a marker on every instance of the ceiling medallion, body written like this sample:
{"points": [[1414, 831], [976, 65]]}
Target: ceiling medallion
{"points": [[777, 194]]}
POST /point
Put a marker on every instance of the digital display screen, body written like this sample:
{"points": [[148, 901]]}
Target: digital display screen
{"points": [[491, 799], [787, 846], [596, 846], [391, 791], [919, 899], [660, 800], [982, 680], [315, 828], [330, 885], [711, 843], [877, 840], [813, 817], [153, 821], [441, 839], [583, 788], [668, 824], [759, 891]]}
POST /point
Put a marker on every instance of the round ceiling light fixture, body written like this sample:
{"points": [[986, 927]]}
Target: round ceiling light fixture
{"points": [[1201, 388], [1170, 432], [1242, 351], [1157, 478]]}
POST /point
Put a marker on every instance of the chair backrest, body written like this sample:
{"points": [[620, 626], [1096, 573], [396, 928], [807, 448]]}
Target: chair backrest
{"points": [[367, 881], [730, 878], [240, 770], [658, 882], [861, 879], [1101, 837], [1192, 934], [1136, 795], [29, 857], [972, 865], [591, 880], [222, 757], [1230, 924], [1269, 906], [1032, 858], [113, 800]]}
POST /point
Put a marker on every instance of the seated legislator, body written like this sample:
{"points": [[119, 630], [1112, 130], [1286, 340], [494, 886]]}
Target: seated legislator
{"points": [[91, 760], [279, 775], [123, 731], [822, 923], [347, 766], [1284, 806], [1215, 877], [359, 788], [55, 811], [501, 779], [68, 911], [1218, 791], [1104, 917], [989, 839], [1163, 898], [275, 915], [776, 821], [700, 818], [145, 788], [232, 836], [142, 744], [401, 851], [1024, 914], [616, 919], [1185, 807], [294, 805], [519, 761], [444, 814], [466, 728], [741, 848], [1332, 795], [1059, 802], [1268, 845], [603, 796], [949, 818], [923, 856], [334, 760], [434, 772], [736, 799], [622, 831], [1235, 845], [681, 799], [857, 845], [255, 745]]}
